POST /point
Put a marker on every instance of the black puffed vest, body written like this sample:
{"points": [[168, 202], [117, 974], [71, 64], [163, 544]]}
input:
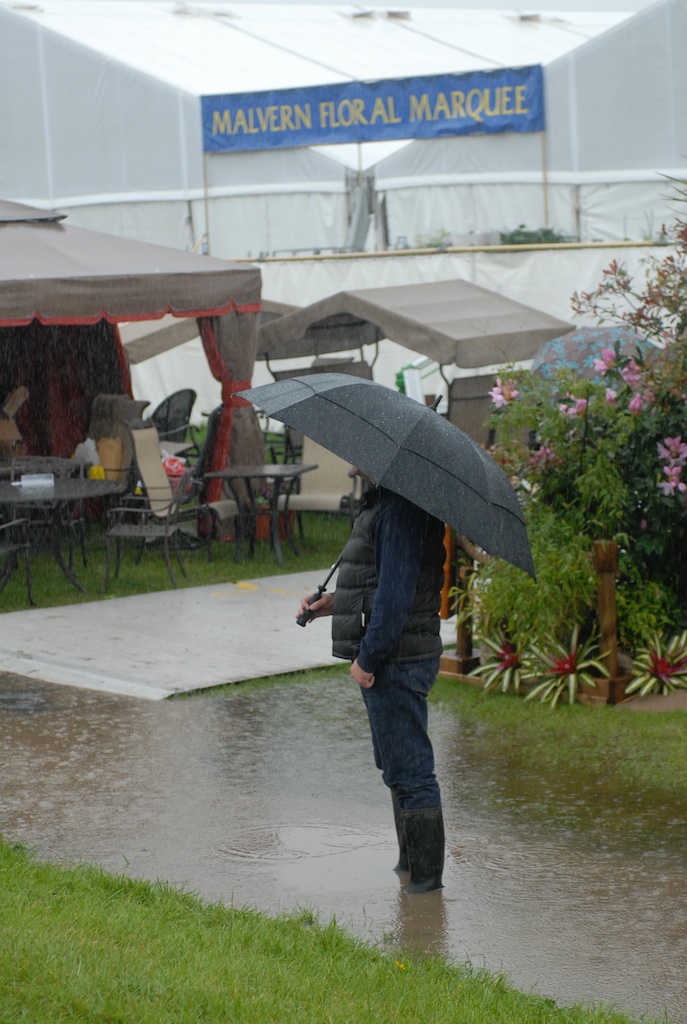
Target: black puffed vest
{"points": [[357, 584]]}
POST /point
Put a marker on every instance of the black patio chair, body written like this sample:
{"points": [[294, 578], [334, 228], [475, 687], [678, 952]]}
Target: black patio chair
{"points": [[14, 540], [172, 418]]}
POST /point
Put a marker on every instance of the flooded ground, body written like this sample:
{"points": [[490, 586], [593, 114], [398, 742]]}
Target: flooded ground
{"points": [[268, 798]]}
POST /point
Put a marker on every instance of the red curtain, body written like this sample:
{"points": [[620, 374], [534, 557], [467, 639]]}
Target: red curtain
{"points": [[219, 456]]}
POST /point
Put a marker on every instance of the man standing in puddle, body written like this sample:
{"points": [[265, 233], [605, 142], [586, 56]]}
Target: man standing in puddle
{"points": [[386, 622]]}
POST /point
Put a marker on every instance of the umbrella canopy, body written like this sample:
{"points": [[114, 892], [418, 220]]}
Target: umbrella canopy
{"points": [[578, 350], [449, 321], [408, 448]]}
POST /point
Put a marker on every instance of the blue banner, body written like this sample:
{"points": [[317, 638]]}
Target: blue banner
{"points": [[503, 100]]}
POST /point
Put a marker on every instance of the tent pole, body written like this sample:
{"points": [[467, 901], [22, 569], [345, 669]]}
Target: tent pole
{"points": [[545, 179], [206, 204]]}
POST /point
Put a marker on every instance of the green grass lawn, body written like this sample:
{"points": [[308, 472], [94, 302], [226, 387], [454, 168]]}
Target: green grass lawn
{"points": [[79, 946], [635, 754], [324, 538]]}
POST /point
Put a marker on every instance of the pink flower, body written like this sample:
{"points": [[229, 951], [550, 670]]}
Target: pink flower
{"points": [[643, 523], [543, 456], [673, 450], [607, 361], [673, 483], [636, 405], [611, 395], [503, 394], [578, 409], [631, 373]]}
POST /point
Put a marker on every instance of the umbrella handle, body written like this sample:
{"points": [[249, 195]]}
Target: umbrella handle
{"points": [[306, 616]]}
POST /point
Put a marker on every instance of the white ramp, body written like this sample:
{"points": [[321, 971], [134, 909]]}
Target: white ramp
{"points": [[155, 645]]}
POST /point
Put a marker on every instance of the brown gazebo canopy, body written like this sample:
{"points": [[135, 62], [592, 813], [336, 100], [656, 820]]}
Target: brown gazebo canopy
{"points": [[63, 290]]}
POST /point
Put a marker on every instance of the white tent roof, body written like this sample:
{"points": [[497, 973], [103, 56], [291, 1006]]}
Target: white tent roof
{"points": [[223, 47], [102, 96]]}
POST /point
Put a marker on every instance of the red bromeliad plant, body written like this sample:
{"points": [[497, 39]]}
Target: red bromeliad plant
{"points": [[507, 667], [661, 667], [565, 668]]}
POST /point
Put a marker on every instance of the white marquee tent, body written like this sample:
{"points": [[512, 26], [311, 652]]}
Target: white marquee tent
{"points": [[100, 116]]}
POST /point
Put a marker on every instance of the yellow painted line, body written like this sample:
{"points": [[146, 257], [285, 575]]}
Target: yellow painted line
{"points": [[245, 585]]}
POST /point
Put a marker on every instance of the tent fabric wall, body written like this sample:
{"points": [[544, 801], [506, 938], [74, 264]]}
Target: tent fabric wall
{"points": [[73, 116], [616, 102], [177, 223], [230, 344], [616, 132]]}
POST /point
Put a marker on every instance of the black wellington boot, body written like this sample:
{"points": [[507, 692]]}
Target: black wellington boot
{"points": [[424, 832], [401, 833]]}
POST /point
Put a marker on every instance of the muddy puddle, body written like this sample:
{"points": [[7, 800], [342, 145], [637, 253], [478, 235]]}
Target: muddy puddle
{"points": [[268, 798]]}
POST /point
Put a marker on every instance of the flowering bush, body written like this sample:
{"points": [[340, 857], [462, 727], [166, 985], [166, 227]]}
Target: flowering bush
{"points": [[606, 459]]}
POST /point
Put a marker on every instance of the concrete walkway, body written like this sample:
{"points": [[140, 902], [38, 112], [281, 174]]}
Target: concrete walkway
{"points": [[155, 645]]}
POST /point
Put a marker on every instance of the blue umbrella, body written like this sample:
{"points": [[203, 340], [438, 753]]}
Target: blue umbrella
{"points": [[578, 350]]}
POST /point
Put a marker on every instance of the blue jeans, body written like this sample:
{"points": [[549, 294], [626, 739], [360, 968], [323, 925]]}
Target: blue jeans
{"points": [[397, 712]]}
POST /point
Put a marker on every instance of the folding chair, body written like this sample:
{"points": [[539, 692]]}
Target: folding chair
{"points": [[153, 515], [329, 488]]}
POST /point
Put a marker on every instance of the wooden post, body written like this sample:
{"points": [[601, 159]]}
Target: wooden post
{"points": [[464, 628], [449, 572], [462, 662], [606, 566], [466, 660]]}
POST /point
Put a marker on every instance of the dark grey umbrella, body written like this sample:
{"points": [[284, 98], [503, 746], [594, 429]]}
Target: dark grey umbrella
{"points": [[408, 448]]}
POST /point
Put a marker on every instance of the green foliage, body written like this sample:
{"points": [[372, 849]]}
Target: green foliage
{"points": [[521, 236], [504, 598], [436, 240], [661, 666], [506, 668], [564, 668]]}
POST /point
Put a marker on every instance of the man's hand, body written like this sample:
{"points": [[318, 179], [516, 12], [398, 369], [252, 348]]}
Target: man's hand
{"points": [[322, 606], [364, 679]]}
